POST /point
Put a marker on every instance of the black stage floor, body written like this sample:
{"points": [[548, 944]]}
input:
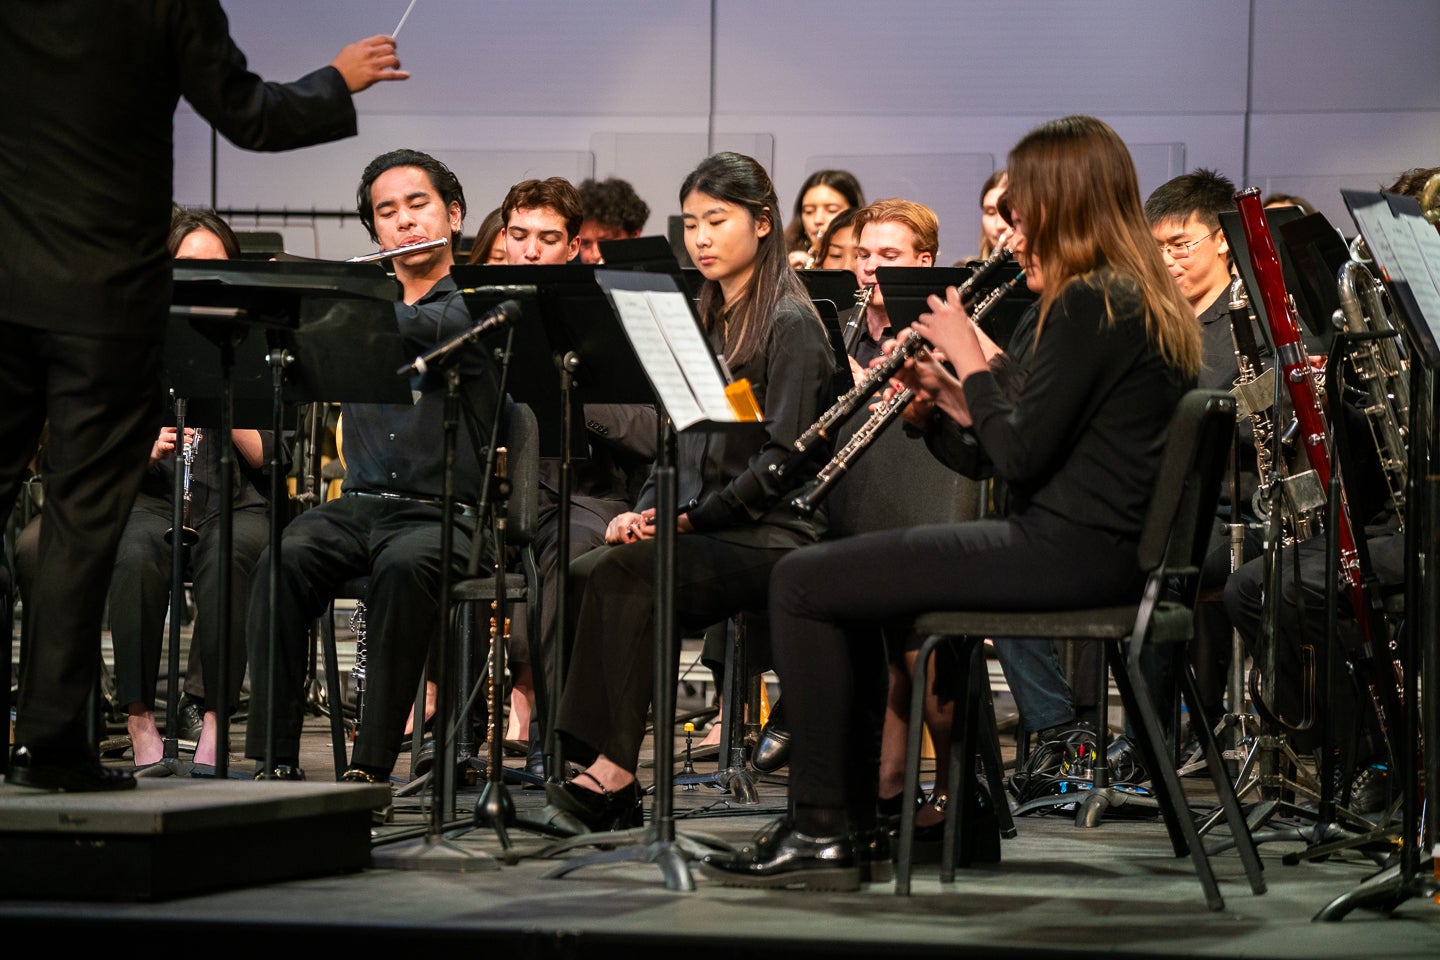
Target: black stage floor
{"points": [[1061, 890]]}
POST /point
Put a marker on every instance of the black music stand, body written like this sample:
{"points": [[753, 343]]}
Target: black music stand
{"points": [[558, 345], [684, 379], [1406, 247], [223, 299]]}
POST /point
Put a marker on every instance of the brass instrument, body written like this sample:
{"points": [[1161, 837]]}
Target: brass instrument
{"points": [[855, 325], [1375, 357], [188, 535], [882, 414], [401, 251]]}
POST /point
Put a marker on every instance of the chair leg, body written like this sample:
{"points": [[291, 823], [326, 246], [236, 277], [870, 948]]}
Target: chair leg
{"points": [[333, 690], [990, 756], [1185, 836], [903, 860], [1229, 802]]}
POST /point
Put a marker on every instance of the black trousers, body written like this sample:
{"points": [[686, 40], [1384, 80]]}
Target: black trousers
{"points": [[103, 400], [611, 676], [829, 602], [1301, 635], [397, 544], [140, 601]]}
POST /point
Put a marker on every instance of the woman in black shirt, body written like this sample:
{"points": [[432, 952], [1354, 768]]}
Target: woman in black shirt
{"points": [[1077, 445], [735, 521]]}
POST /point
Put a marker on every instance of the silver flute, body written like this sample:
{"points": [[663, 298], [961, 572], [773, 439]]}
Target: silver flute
{"points": [[401, 251]]}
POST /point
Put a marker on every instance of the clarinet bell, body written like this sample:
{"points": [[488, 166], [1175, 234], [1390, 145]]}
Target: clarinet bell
{"points": [[188, 536]]}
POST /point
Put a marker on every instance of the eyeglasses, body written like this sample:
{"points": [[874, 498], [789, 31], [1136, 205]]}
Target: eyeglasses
{"points": [[1181, 251]]}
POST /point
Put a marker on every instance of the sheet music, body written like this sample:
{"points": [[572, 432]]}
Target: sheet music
{"points": [[697, 360], [1407, 249], [660, 363]]}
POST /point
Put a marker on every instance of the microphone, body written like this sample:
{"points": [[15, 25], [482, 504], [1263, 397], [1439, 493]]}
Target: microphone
{"points": [[501, 315]]}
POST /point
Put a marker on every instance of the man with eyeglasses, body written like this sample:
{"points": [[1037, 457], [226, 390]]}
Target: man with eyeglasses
{"points": [[1184, 215]]}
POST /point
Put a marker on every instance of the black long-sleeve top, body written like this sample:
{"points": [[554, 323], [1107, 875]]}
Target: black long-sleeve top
{"points": [[399, 448], [725, 485], [1082, 433], [86, 148]]}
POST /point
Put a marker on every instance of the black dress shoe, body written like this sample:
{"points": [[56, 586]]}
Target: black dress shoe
{"points": [[65, 772], [789, 859], [593, 812], [772, 750], [281, 771], [189, 722]]}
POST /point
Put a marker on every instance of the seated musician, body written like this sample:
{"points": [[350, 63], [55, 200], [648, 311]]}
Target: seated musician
{"points": [[543, 220], [1101, 371], [735, 522], [387, 523], [1301, 635], [613, 211], [1184, 215], [824, 195]]}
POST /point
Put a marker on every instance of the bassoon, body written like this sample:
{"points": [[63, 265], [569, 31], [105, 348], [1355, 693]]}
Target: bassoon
{"points": [[1295, 369]]}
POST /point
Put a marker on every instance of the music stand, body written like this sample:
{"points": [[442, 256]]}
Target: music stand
{"points": [[647, 254], [685, 381], [1406, 247], [224, 299]]}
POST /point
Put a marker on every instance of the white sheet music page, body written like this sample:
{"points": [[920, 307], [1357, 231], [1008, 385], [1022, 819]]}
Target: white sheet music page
{"points": [[692, 350], [653, 349]]}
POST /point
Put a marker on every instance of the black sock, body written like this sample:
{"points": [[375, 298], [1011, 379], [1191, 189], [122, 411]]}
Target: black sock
{"points": [[821, 821]]}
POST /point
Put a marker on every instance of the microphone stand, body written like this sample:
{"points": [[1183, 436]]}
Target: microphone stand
{"points": [[434, 851]]}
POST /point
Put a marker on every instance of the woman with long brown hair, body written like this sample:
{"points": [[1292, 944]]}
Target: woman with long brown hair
{"points": [[1072, 421]]}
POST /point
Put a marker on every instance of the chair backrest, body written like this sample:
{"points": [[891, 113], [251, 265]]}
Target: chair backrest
{"points": [[522, 443], [1176, 534]]}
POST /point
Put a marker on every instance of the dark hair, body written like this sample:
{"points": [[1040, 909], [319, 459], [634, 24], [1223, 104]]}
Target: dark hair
{"points": [[441, 178], [996, 178], [845, 218], [614, 203], [1203, 194], [557, 193], [740, 180], [490, 228], [1412, 182], [184, 222], [1288, 200], [842, 182]]}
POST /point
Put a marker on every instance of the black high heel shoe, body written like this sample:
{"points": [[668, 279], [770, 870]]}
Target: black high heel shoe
{"points": [[784, 858], [575, 810]]}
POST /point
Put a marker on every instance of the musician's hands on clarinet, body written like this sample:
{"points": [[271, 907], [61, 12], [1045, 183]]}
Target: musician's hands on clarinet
{"points": [[935, 386], [369, 61], [164, 447], [947, 328]]}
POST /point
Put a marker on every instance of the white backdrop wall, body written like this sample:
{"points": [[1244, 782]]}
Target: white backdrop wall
{"points": [[919, 98]]}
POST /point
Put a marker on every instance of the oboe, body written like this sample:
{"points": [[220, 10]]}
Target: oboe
{"points": [[881, 416], [873, 381]]}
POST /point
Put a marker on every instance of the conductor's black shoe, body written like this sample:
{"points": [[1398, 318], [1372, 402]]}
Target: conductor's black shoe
{"points": [[793, 860], [65, 772], [772, 750], [594, 812]]}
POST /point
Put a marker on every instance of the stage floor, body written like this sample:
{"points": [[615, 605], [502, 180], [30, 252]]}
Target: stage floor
{"points": [[1061, 890]]}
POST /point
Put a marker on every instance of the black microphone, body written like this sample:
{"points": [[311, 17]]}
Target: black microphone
{"points": [[501, 315]]}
